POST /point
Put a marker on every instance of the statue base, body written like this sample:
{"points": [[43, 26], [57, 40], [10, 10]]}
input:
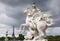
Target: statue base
{"points": [[37, 40]]}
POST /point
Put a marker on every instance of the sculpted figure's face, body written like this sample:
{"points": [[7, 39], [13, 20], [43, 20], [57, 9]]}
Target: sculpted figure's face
{"points": [[34, 5]]}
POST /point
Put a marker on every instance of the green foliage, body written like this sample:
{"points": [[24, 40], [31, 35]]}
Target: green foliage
{"points": [[10, 38], [2, 38], [21, 37], [53, 38]]}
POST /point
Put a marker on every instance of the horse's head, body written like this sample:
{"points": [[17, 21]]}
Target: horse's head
{"points": [[28, 12]]}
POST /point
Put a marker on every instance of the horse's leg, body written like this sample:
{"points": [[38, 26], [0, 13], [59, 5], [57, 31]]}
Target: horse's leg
{"points": [[28, 36], [22, 27], [41, 34]]}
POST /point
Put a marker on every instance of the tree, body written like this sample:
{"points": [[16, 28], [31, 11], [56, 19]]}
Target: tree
{"points": [[21, 37]]}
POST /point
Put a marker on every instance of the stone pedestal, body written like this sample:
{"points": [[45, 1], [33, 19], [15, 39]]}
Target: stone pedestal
{"points": [[37, 40]]}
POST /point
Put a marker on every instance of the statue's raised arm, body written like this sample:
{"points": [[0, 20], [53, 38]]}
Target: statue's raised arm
{"points": [[48, 19]]}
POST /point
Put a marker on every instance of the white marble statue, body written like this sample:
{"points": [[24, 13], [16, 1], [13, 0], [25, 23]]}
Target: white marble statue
{"points": [[6, 38], [37, 22]]}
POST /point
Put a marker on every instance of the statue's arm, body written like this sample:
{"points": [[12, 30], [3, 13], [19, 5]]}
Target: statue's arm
{"points": [[50, 22], [22, 27], [25, 11]]}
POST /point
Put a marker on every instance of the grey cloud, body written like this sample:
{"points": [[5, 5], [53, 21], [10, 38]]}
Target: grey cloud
{"points": [[16, 2], [17, 12], [13, 9], [53, 31], [54, 8], [7, 20], [11, 15]]}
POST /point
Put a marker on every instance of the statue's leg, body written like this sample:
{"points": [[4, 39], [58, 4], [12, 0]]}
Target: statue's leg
{"points": [[28, 36], [41, 35]]}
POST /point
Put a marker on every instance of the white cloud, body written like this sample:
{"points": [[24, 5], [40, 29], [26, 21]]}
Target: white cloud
{"points": [[4, 28], [53, 31]]}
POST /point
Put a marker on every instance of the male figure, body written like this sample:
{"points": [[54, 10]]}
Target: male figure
{"points": [[33, 16]]}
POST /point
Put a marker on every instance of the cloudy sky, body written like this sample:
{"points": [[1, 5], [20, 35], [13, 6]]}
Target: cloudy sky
{"points": [[11, 13]]}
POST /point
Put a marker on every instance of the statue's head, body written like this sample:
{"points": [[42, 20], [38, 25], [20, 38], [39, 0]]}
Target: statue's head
{"points": [[34, 5], [28, 10]]}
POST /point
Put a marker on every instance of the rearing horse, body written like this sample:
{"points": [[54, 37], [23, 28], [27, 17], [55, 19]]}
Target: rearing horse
{"points": [[38, 24]]}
